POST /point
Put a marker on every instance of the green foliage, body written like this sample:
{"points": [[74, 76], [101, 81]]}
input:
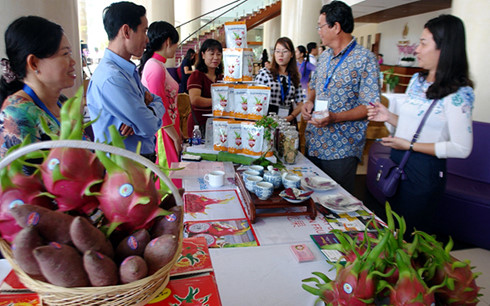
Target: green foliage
{"points": [[390, 79]]}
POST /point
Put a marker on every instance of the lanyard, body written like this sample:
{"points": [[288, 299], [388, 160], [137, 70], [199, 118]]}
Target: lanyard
{"points": [[40, 103], [338, 64], [283, 95]]}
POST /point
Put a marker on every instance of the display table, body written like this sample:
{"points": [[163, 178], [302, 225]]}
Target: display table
{"points": [[267, 274]]}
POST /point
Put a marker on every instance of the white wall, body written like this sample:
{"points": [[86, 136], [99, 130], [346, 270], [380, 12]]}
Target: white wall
{"points": [[391, 33], [474, 13], [63, 12]]}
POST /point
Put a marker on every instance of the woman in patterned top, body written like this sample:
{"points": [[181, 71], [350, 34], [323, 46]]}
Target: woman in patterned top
{"points": [[163, 39], [447, 132], [284, 80], [39, 66]]}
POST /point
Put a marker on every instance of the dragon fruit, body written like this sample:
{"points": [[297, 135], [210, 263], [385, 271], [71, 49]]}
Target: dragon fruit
{"points": [[354, 284], [72, 175], [18, 189], [128, 197], [410, 289], [455, 278], [395, 272]]}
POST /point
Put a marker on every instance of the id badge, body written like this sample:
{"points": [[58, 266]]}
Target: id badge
{"points": [[321, 108], [283, 112]]}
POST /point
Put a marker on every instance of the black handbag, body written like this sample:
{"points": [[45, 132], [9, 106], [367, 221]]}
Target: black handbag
{"points": [[389, 173]]}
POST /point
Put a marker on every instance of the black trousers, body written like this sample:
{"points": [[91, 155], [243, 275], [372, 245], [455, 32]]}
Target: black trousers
{"points": [[343, 171], [417, 196], [150, 156]]}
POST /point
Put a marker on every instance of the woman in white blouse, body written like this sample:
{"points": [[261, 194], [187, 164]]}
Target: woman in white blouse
{"points": [[447, 132]]}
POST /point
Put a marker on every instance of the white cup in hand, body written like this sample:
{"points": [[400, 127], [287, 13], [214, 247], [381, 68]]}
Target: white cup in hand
{"points": [[215, 178]]}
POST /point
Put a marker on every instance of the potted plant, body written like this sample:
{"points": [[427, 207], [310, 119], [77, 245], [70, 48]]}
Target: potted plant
{"points": [[407, 61], [390, 79]]}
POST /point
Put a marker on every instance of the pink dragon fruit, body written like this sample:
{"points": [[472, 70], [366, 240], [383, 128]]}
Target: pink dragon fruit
{"points": [[455, 278], [18, 189], [354, 284], [128, 197], [410, 289], [72, 175]]}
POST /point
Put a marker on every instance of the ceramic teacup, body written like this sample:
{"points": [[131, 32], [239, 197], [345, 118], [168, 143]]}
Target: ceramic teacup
{"points": [[250, 182], [249, 173], [273, 177], [258, 168], [291, 181], [263, 190], [215, 178]]}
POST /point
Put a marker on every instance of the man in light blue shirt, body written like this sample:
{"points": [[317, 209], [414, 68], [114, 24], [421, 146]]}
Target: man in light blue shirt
{"points": [[115, 91]]}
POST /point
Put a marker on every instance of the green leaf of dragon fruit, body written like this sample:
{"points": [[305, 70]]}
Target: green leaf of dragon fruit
{"points": [[72, 175], [128, 196]]}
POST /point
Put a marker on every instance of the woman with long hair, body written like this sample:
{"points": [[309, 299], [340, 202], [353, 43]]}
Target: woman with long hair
{"points": [[39, 66], [447, 133], [284, 80], [304, 66], [163, 39], [186, 69], [209, 70]]}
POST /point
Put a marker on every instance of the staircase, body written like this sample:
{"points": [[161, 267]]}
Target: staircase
{"points": [[252, 20]]}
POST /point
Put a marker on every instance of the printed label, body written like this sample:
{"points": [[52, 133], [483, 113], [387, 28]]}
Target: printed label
{"points": [[33, 218], [132, 243], [55, 245], [15, 203], [171, 218], [347, 288], [52, 163], [126, 190]]}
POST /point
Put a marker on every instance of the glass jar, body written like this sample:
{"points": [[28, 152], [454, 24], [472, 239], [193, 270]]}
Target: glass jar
{"points": [[290, 146]]}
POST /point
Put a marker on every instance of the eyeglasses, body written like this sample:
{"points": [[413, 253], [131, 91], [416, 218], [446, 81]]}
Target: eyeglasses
{"points": [[283, 52], [319, 27]]}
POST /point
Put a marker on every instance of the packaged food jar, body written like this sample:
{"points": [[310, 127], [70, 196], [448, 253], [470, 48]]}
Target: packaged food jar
{"points": [[290, 146]]}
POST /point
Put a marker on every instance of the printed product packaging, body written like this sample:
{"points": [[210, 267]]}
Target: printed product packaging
{"points": [[235, 137], [220, 98], [220, 134], [258, 101], [240, 101], [236, 34], [233, 61], [252, 138], [230, 106], [248, 64], [268, 142]]}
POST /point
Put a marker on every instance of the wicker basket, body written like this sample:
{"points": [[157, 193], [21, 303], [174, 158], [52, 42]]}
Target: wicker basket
{"points": [[134, 293]]}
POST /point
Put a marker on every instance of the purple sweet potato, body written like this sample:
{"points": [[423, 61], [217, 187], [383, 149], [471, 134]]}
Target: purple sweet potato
{"points": [[160, 252], [61, 265], [52, 225], [101, 270], [132, 269], [24, 243], [170, 224], [134, 244], [86, 237]]}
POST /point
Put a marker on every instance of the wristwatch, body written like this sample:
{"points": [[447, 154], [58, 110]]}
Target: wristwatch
{"points": [[411, 147]]}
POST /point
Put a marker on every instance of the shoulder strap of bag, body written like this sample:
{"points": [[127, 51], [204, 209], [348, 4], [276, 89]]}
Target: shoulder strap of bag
{"points": [[417, 133]]}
